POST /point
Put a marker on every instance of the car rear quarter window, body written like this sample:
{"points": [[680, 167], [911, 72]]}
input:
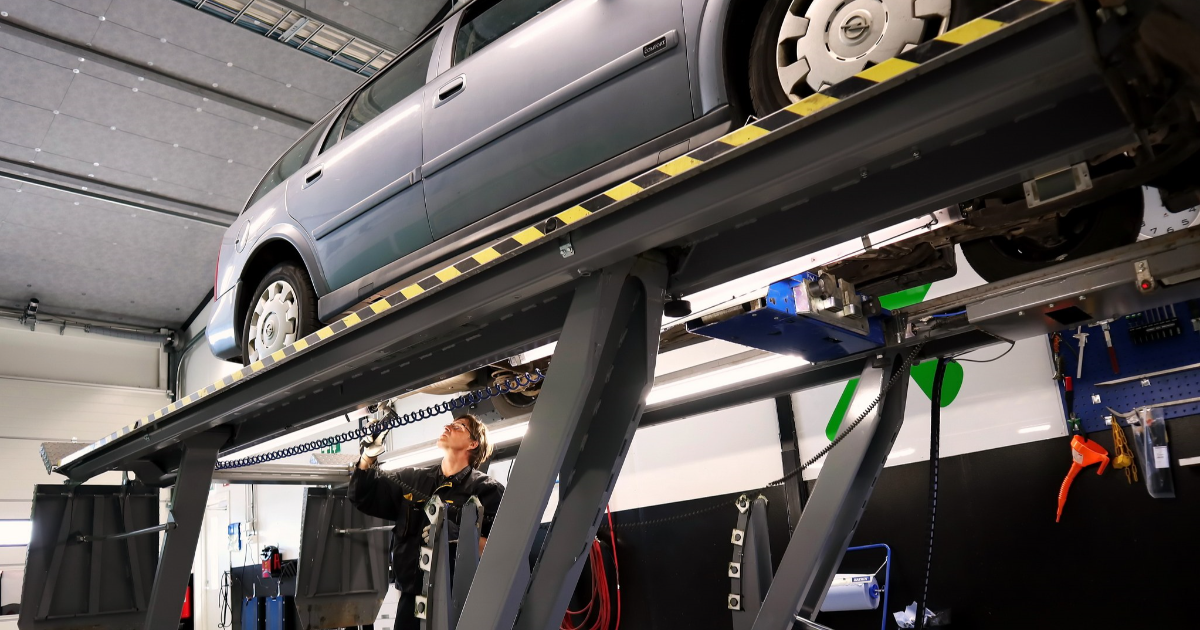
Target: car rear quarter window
{"points": [[397, 82], [489, 20]]}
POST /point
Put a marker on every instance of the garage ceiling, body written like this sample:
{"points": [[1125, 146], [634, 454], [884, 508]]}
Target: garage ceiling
{"points": [[169, 113]]}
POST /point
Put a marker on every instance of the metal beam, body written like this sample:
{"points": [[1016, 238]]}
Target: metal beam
{"points": [[838, 499], [116, 195], [158, 76], [587, 411], [179, 544]]}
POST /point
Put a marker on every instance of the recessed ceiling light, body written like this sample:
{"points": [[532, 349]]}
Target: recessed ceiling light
{"points": [[95, 164], [81, 59], [214, 85], [56, 112], [141, 78], [199, 110], [285, 85], [176, 145], [256, 126], [229, 161], [162, 39], [74, 70], [102, 18], [112, 128], [38, 150], [206, 99]]}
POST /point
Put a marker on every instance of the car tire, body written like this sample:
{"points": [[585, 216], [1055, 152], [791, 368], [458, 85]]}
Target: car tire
{"points": [[792, 45], [1091, 229], [282, 310]]}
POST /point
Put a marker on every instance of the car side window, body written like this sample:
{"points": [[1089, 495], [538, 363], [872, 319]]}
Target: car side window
{"points": [[335, 133], [291, 162], [489, 20], [397, 82]]}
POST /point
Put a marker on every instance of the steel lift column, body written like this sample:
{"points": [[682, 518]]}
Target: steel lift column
{"points": [[579, 433], [179, 544], [839, 497]]}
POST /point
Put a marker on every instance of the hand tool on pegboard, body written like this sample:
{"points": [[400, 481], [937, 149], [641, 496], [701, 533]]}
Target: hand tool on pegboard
{"points": [[1112, 352], [1056, 348], [1148, 375], [1082, 337], [1154, 324], [1073, 424]]}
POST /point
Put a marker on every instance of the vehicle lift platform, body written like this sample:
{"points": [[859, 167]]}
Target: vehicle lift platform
{"points": [[1022, 91]]}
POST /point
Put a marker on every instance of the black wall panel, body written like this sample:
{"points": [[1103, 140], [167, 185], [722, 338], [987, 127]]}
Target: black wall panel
{"points": [[1118, 559]]}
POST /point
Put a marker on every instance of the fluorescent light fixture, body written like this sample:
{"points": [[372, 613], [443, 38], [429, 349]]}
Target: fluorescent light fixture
{"points": [[904, 452], [502, 435], [15, 533], [294, 437], [530, 356], [1034, 429], [718, 378]]}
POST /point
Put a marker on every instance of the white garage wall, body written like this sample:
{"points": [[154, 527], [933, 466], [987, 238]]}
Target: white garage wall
{"points": [[55, 389]]}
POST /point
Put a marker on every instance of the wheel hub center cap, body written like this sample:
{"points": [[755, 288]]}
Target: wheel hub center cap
{"points": [[856, 26], [271, 328]]}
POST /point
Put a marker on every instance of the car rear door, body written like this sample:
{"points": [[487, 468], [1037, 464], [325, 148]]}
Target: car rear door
{"points": [[361, 199], [532, 92]]}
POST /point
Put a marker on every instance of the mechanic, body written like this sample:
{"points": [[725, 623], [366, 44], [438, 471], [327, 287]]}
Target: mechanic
{"points": [[400, 495]]}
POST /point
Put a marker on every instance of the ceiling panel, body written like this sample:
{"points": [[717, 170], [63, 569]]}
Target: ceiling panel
{"points": [[30, 80], [98, 260], [155, 98]]}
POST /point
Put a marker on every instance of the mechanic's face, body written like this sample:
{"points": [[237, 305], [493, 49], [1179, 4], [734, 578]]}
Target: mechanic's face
{"points": [[457, 436]]}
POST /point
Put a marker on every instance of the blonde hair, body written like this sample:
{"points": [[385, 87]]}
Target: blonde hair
{"points": [[479, 433]]}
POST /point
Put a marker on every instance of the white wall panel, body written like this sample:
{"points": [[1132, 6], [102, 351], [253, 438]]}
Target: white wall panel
{"points": [[1009, 401], [76, 356], [706, 455]]}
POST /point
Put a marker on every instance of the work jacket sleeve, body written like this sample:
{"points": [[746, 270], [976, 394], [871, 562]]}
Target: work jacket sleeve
{"points": [[490, 493], [378, 492]]}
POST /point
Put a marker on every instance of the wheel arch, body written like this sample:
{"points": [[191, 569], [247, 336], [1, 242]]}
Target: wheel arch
{"points": [[270, 251], [722, 52]]}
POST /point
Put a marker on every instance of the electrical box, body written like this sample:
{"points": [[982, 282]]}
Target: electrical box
{"points": [[254, 615], [279, 613], [815, 317]]}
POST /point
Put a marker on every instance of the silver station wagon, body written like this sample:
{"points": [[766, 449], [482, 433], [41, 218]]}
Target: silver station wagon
{"points": [[509, 109]]}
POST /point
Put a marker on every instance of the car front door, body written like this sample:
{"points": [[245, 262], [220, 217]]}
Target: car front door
{"points": [[361, 198], [532, 92]]}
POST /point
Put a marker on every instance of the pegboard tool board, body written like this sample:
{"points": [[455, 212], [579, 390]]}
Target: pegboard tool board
{"points": [[1157, 351]]}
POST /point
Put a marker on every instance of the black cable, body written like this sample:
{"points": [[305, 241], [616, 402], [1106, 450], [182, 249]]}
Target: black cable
{"points": [[515, 383], [223, 601], [935, 431]]}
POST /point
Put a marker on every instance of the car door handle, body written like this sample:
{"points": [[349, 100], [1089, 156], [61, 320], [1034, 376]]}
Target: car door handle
{"points": [[312, 176], [452, 89]]}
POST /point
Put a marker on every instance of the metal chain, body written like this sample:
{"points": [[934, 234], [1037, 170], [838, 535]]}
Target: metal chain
{"points": [[516, 383], [812, 460]]}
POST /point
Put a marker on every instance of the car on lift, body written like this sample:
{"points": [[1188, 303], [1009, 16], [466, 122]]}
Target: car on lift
{"points": [[507, 110]]}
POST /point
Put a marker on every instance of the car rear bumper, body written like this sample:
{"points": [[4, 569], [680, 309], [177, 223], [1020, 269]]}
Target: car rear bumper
{"points": [[222, 331]]}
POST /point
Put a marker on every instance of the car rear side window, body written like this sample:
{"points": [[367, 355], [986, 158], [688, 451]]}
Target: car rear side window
{"points": [[397, 82], [291, 162], [487, 21]]}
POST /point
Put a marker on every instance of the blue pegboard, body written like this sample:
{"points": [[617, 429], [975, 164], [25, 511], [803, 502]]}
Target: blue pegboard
{"points": [[1134, 359]]}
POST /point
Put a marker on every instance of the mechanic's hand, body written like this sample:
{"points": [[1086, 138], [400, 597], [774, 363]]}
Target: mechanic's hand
{"points": [[372, 445], [451, 533]]}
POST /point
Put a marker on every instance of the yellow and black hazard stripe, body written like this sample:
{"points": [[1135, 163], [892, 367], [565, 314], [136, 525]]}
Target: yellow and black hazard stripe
{"points": [[722, 149]]}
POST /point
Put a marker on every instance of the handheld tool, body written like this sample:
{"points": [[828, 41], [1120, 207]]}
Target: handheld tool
{"points": [[1084, 453], [1112, 352], [1056, 347], [1082, 337], [1073, 425]]}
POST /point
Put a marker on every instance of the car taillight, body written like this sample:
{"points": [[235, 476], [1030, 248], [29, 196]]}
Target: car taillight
{"points": [[217, 274]]}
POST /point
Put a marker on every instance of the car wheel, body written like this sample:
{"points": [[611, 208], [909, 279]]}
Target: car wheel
{"points": [[284, 310], [803, 46], [1091, 229]]}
